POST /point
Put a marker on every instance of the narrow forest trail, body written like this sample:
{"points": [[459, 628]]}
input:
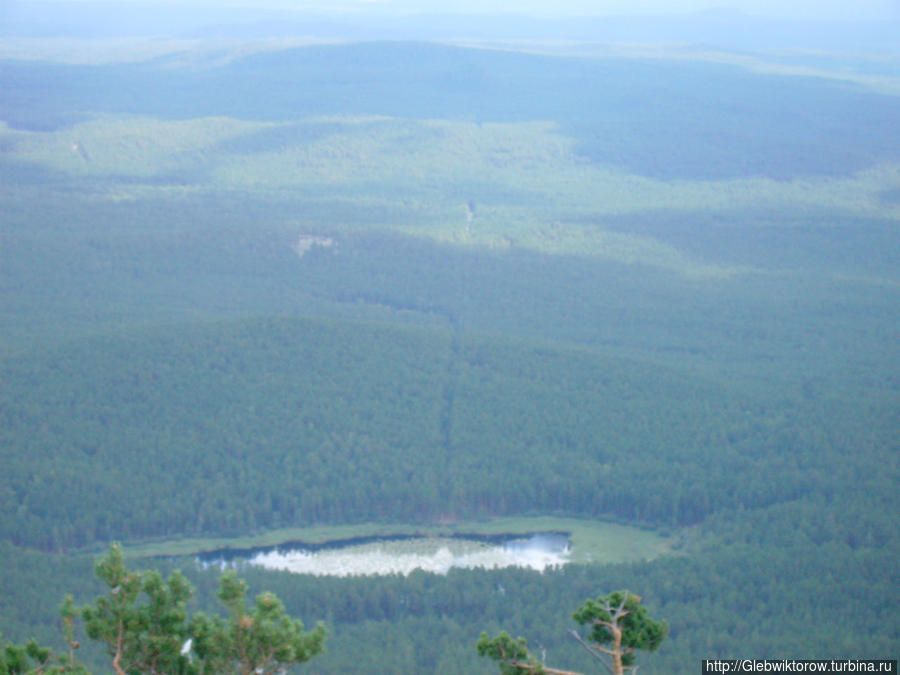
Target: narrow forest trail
{"points": [[448, 396]]}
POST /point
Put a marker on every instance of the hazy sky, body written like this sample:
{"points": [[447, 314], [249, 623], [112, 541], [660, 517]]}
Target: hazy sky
{"points": [[809, 9], [797, 8], [730, 23]]}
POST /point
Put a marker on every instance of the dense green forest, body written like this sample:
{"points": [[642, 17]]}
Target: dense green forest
{"points": [[410, 283]]}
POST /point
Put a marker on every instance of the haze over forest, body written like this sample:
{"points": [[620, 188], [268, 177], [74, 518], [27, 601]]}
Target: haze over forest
{"points": [[361, 271]]}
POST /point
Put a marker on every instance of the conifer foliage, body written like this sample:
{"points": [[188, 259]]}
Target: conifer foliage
{"points": [[618, 625], [264, 641], [143, 622]]}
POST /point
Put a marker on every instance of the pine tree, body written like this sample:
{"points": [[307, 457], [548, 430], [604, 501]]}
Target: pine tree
{"points": [[144, 625], [618, 626], [263, 641]]}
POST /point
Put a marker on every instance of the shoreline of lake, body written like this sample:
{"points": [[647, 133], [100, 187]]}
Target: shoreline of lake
{"points": [[403, 554]]}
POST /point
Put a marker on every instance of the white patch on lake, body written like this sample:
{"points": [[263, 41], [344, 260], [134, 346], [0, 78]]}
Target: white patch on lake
{"points": [[431, 554]]}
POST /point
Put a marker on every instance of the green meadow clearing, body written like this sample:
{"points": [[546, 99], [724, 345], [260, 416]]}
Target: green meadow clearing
{"points": [[591, 541]]}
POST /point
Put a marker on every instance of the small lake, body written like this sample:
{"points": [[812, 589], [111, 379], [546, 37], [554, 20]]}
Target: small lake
{"points": [[402, 554]]}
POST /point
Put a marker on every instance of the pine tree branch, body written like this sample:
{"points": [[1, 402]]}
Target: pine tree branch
{"points": [[593, 650]]}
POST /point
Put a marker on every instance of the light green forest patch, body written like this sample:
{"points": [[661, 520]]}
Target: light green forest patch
{"points": [[867, 70], [591, 541], [770, 63], [117, 147], [495, 185], [872, 70], [430, 163], [574, 239]]}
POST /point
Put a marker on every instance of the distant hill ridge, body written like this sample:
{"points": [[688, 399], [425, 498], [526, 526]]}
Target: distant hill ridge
{"points": [[655, 117]]}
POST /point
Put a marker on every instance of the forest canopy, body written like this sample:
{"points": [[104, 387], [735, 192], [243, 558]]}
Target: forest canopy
{"points": [[391, 283]]}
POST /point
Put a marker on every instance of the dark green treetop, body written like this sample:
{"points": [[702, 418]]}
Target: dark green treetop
{"points": [[512, 655], [140, 636], [263, 641], [143, 622], [618, 625]]}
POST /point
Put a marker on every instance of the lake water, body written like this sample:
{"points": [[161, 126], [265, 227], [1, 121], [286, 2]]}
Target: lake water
{"points": [[402, 555]]}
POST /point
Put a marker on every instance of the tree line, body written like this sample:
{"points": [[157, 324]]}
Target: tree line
{"points": [[144, 628]]}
